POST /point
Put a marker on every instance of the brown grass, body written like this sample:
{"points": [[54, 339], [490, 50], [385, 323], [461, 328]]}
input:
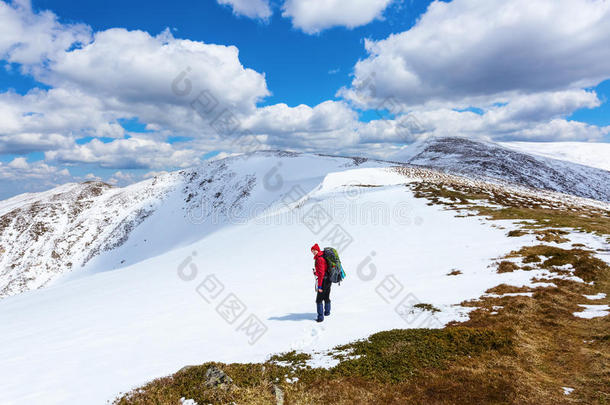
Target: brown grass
{"points": [[542, 214], [507, 267]]}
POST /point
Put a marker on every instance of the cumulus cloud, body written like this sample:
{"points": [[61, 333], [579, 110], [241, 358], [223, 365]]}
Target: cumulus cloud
{"points": [[120, 179], [19, 168], [20, 176], [135, 67], [250, 8], [117, 74], [30, 38], [303, 126], [472, 52], [132, 153], [313, 16], [54, 116], [495, 125]]}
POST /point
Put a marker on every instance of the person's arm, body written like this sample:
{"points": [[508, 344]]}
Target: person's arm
{"points": [[319, 271]]}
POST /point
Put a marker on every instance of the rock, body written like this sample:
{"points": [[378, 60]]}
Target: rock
{"points": [[215, 377], [185, 368], [279, 394]]}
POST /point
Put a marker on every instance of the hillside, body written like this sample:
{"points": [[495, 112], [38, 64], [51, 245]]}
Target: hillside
{"points": [[490, 160], [76, 229]]}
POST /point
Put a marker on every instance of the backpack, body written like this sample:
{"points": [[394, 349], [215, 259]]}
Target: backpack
{"points": [[334, 270]]}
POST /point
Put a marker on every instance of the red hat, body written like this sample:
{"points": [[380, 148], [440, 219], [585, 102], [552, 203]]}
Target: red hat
{"points": [[316, 247]]}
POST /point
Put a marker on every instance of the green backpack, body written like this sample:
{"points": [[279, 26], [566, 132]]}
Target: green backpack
{"points": [[334, 270]]}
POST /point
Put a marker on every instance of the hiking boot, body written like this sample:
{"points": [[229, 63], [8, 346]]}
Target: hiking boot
{"points": [[320, 309]]}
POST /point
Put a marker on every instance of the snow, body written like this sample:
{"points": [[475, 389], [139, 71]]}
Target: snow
{"points": [[594, 154], [598, 296], [518, 294], [158, 302], [567, 390], [592, 311]]}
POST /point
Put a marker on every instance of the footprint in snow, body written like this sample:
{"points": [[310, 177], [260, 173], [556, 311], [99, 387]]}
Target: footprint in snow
{"points": [[309, 337]]}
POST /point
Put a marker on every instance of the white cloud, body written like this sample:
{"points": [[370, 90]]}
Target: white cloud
{"points": [[496, 125], [120, 74], [322, 127], [52, 117], [20, 176], [120, 179], [19, 168], [134, 67], [30, 38], [92, 177], [132, 153], [313, 16], [250, 8], [472, 52], [543, 106], [23, 143], [154, 174], [18, 163]]}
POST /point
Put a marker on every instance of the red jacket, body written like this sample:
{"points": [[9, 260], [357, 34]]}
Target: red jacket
{"points": [[320, 267]]}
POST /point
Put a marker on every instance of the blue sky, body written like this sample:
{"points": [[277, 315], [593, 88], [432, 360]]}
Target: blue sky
{"points": [[297, 65], [76, 106]]}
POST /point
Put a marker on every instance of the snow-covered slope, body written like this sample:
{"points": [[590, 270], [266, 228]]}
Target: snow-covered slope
{"points": [[89, 338], [482, 159], [594, 154], [220, 269], [96, 227], [46, 235]]}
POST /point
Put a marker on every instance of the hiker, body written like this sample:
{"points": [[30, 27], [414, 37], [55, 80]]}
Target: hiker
{"points": [[323, 283]]}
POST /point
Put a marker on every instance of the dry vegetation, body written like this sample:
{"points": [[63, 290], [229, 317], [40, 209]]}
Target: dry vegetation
{"points": [[512, 350], [537, 215]]}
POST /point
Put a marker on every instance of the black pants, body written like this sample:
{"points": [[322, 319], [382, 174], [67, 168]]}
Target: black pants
{"points": [[325, 294]]}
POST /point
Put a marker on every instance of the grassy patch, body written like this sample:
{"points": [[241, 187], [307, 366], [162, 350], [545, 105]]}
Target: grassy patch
{"points": [[389, 357], [586, 266], [397, 355], [551, 235], [554, 348], [454, 272], [535, 213], [427, 307], [507, 267], [292, 358]]}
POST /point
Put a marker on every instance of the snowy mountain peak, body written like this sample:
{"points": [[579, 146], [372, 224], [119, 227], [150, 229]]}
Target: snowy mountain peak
{"points": [[95, 227], [481, 159]]}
